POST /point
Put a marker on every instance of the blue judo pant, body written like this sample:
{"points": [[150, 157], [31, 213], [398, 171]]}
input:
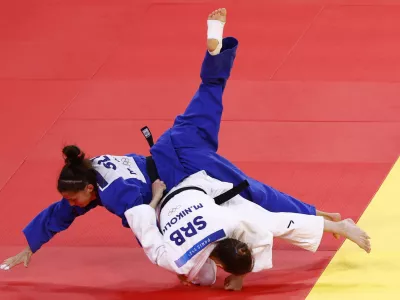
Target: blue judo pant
{"points": [[191, 144]]}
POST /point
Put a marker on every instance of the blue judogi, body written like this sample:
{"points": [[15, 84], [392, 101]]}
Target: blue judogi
{"points": [[186, 148], [191, 144]]}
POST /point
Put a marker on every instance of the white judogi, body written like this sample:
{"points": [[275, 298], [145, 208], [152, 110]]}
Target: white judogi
{"points": [[191, 222]]}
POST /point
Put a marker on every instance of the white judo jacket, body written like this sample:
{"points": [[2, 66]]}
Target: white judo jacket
{"points": [[191, 222]]}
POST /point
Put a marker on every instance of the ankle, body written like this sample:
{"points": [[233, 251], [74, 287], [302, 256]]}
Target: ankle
{"points": [[342, 228], [214, 36], [212, 44]]}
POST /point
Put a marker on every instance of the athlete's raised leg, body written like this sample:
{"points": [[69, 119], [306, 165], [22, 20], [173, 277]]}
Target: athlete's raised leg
{"points": [[205, 109]]}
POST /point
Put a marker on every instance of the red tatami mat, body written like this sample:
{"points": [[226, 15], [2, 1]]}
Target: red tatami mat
{"points": [[311, 109]]}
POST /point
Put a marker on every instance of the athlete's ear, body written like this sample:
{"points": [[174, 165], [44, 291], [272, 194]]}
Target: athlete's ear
{"points": [[90, 188]]}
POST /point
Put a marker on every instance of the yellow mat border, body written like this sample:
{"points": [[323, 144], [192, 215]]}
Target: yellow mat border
{"points": [[354, 274]]}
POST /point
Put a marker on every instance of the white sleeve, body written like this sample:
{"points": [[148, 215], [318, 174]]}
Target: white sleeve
{"points": [[142, 221]]}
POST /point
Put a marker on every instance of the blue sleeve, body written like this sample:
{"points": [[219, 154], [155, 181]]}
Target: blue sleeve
{"points": [[120, 196], [52, 220]]}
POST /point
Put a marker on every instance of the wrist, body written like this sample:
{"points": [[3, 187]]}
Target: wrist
{"points": [[154, 203]]}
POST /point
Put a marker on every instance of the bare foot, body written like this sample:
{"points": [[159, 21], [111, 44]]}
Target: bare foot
{"points": [[219, 15], [350, 230], [334, 217]]}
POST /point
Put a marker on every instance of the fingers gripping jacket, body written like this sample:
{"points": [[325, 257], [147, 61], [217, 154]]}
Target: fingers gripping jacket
{"points": [[215, 31]]}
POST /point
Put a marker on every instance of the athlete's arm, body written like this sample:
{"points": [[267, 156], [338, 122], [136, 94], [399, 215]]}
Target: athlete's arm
{"points": [[52, 220], [142, 221], [158, 188]]}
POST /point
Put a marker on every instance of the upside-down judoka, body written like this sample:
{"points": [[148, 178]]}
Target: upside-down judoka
{"points": [[190, 227]]}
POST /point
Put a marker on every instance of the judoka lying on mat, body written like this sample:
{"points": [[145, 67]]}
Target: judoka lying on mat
{"points": [[189, 234]]}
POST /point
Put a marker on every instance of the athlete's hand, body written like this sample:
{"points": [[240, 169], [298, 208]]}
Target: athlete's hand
{"points": [[233, 283], [158, 188], [23, 257]]}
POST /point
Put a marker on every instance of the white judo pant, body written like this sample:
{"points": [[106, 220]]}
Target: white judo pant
{"points": [[304, 231]]}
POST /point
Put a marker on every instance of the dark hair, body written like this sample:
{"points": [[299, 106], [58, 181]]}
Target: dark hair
{"points": [[77, 172], [234, 255]]}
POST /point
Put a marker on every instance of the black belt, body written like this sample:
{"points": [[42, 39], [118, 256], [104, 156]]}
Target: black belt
{"points": [[221, 199], [229, 194], [151, 169], [150, 165], [176, 192]]}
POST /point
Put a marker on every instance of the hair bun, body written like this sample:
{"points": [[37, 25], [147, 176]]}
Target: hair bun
{"points": [[73, 155]]}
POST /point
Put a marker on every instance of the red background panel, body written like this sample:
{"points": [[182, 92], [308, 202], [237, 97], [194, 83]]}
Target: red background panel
{"points": [[311, 109]]}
